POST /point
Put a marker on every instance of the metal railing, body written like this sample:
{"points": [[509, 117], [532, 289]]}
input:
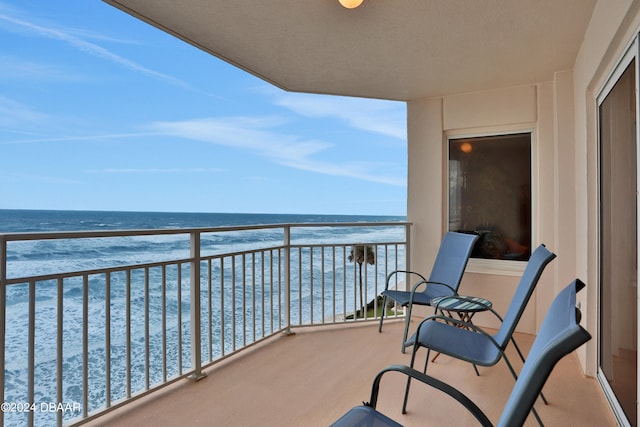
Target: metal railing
{"points": [[92, 320]]}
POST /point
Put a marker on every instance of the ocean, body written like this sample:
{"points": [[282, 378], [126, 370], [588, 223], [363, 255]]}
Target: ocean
{"points": [[12, 221], [52, 256]]}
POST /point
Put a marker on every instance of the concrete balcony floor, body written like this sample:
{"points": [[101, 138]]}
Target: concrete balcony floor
{"points": [[313, 377]]}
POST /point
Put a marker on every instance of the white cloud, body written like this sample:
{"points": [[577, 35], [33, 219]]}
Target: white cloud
{"points": [[80, 44], [383, 117], [257, 135], [17, 68], [96, 137], [15, 114], [252, 134], [156, 170], [260, 136]]}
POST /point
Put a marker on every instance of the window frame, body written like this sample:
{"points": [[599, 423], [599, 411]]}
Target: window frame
{"points": [[484, 265]]}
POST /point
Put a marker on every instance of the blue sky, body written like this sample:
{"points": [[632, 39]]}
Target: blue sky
{"points": [[100, 111]]}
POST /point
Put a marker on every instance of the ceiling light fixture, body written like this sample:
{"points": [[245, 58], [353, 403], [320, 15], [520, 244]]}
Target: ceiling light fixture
{"points": [[350, 4]]}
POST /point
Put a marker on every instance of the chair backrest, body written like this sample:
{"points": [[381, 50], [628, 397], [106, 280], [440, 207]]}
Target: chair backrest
{"points": [[452, 258], [559, 335], [537, 262]]}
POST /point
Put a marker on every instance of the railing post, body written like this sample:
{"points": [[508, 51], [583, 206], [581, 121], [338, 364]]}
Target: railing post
{"points": [[287, 280], [196, 350], [407, 249]]}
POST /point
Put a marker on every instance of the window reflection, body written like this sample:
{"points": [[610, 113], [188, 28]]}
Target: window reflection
{"points": [[490, 193]]}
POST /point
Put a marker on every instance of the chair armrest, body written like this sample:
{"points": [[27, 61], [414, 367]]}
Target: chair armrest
{"points": [[430, 381], [402, 271], [428, 282]]}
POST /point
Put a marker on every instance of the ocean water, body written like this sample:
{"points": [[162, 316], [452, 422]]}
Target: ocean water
{"points": [[51, 256], [43, 220]]}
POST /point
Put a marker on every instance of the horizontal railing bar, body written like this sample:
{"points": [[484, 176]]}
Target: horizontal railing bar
{"points": [[346, 245], [295, 246]]}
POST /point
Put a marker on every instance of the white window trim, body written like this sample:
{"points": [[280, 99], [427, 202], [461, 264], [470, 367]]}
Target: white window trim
{"points": [[498, 267]]}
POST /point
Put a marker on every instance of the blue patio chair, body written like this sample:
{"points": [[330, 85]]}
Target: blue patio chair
{"points": [[467, 342], [559, 335], [446, 274]]}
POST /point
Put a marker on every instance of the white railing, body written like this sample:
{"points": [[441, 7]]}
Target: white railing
{"points": [[83, 329]]}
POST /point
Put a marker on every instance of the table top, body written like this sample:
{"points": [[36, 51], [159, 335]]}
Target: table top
{"points": [[461, 303]]}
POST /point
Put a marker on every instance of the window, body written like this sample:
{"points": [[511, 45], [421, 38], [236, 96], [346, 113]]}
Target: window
{"points": [[490, 193]]}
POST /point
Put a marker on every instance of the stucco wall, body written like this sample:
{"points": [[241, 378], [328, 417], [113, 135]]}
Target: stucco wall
{"points": [[425, 175], [430, 122]]}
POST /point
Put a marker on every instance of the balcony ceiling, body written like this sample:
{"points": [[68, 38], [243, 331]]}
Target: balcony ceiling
{"points": [[387, 49]]}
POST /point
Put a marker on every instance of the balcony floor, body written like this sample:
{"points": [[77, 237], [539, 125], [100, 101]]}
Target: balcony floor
{"points": [[313, 377]]}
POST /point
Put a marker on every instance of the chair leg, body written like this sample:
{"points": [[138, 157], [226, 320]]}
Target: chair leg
{"points": [[426, 361], [406, 390], [475, 368], [384, 310], [517, 349], [406, 327], [406, 396]]}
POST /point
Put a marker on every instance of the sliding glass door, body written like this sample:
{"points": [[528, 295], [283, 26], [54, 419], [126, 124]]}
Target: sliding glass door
{"points": [[618, 316]]}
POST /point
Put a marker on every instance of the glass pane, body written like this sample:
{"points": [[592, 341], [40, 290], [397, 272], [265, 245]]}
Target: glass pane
{"points": [[618, 269], [490, 193]]}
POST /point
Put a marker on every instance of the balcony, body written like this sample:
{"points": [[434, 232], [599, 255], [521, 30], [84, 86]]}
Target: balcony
{"points": [[314, 376], [199, 331]]}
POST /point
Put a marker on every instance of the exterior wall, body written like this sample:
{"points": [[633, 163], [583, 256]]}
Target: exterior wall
{"points": [[563, 116], [426, 171], [430, 122]]}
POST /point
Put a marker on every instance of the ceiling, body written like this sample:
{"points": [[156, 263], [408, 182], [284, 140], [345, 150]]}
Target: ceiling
{"points": [[387, 49]]}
